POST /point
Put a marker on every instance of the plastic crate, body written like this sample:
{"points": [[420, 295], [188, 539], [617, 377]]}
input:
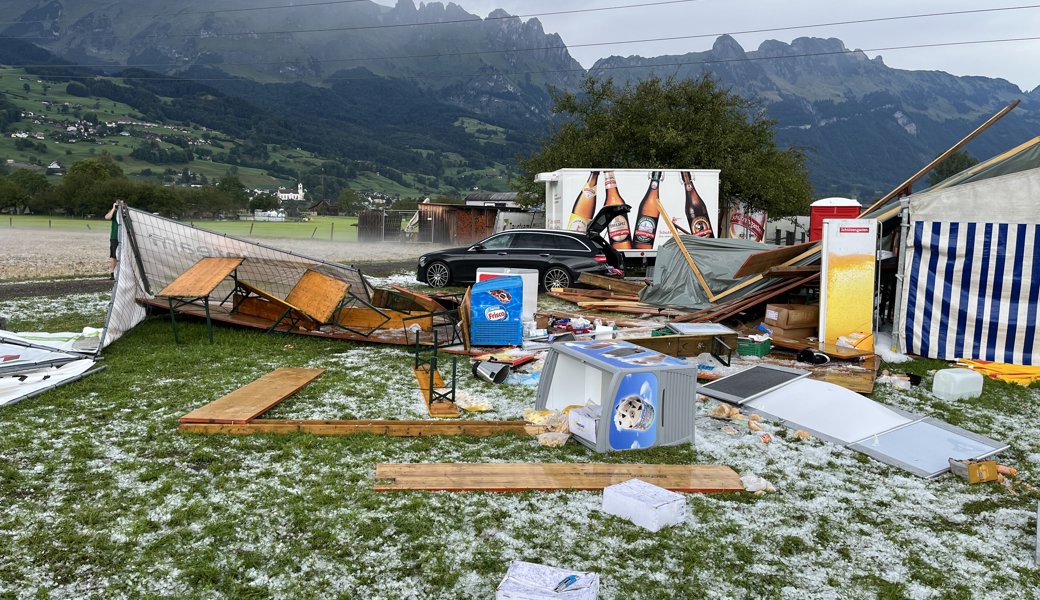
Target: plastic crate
{"points": [[749, 347]]}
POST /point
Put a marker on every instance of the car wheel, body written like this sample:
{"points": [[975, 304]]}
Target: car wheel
{"points": [[556, 277], [438, 274]]}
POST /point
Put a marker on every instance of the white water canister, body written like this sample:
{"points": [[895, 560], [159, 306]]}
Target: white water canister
{"points": [[957, 384]]}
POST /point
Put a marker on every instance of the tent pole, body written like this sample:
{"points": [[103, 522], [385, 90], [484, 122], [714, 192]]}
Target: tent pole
{"points": [[902, 188], [904, 227], [685, 252]]}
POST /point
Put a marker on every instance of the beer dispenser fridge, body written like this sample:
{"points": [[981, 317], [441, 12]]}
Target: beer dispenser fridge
{"points": [[621, 396]]}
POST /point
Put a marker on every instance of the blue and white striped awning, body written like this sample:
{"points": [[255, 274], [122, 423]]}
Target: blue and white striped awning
{"points": [[972, 272]]}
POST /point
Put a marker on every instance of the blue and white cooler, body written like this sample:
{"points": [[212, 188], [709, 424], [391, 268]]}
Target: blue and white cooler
{"points": [[621, 396], [496, 312]]}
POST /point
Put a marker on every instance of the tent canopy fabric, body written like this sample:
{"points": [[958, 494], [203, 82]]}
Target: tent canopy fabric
{"points": [[971, 268], [153, 251], [674, 283]]}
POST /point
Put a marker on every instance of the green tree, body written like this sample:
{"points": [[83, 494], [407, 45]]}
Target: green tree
{"points": [[234, 193], [954, 163], [83, 190], [263, 202], [350, 202], [672, 124], [32, 187]]}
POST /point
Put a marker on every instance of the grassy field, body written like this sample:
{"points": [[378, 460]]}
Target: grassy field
{"points": [[100, 497], [337, 229]]}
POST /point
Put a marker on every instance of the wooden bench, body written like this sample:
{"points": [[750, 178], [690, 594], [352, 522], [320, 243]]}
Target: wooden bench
{"points": [[313, 301], [196, 284]]}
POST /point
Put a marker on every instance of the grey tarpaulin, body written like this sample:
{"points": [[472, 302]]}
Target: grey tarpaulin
{"points": [[674, 283]]}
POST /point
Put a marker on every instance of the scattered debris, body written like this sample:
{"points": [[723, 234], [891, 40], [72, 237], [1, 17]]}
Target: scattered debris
{"points": [[756, 485], [647, 505], [530, 581]]}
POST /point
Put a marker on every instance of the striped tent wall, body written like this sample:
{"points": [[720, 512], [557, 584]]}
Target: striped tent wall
{"points": [[971, 271], [971, 291]]}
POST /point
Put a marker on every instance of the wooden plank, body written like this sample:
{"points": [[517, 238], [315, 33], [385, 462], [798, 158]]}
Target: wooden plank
{"points": [[609, 283], [387, 428], [792, 271], [253, 399], [201, 278], [762, 261], [366, 318], [619, 322], [421, 300], [596, 294], [683, 345], [265, 309], [513, 477], [317, 295]]}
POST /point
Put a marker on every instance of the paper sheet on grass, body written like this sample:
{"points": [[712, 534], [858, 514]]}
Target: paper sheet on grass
{"points": [[828, 410]]}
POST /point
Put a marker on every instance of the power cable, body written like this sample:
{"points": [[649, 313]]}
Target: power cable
{"points": [[619, 67], [594, 44]]}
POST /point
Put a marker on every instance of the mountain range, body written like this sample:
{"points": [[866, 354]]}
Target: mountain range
{"points": [[402, 86]]}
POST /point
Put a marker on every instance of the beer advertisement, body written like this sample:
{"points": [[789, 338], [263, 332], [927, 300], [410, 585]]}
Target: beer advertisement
{"points": [[847, 282], [690, 198], [745, 223]]}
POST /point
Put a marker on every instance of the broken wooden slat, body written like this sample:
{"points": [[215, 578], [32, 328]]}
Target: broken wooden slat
{"points": [[333, 427], [514, 477], [255, 398], [596, 294], [609, 283], [832, 350], [762, 261]]}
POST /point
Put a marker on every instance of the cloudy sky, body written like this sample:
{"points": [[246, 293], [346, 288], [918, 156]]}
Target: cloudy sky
{"points": [[646, 19]]}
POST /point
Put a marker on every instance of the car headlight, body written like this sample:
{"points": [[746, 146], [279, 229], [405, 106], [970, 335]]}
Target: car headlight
{"points": [[422, 261]]}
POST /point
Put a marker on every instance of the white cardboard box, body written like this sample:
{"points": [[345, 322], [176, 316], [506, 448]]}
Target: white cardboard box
{"points": [[582, 422], [645, 504], [530, 581]]}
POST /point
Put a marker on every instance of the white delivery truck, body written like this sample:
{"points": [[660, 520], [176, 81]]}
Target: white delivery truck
{"points": [[690, 198]]}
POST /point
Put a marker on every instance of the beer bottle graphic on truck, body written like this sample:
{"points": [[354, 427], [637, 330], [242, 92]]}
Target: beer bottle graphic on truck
{"points": [[696, 211], [584, 205], [618, 229], [649, 214]]}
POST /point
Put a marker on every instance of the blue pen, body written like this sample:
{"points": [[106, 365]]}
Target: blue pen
{"points": [[567, 582]]}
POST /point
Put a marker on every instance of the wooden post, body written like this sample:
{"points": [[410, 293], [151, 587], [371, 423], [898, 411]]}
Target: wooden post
{"points": [[332, 230], [685, 252]]}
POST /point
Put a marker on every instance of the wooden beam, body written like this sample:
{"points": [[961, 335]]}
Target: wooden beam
{"points": [[515, 477], [609, 283], [792, 271], [440, 409], [895, 192], [388, 428], [685, 252], [255, 398], [905, 186]]}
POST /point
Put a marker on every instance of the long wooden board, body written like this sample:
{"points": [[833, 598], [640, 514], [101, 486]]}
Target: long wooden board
{"points": [[388, 428], [832, 350], [609, 283], [514, 477], [253, 399], [201, 278]]}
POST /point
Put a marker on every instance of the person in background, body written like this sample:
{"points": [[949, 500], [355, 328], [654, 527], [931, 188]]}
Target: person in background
{"points": [[113, 243]]}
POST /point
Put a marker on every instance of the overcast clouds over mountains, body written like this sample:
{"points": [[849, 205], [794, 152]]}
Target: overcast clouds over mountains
{"points": [[866, 126]]}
